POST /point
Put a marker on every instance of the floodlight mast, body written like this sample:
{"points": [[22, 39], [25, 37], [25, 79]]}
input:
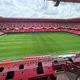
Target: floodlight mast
{"points": [[58, 1]]}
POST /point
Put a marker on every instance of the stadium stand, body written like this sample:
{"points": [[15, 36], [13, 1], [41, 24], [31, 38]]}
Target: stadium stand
{"points": [[41, 68], [13, 25], [30, 68]]}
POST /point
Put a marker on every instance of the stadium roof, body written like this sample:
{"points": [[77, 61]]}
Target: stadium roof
{"points": [[38, 20]]}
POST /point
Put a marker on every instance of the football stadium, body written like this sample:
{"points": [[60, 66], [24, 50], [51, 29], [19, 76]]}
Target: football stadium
{"points": [[38, 37], [33, 48], [35, 41]]}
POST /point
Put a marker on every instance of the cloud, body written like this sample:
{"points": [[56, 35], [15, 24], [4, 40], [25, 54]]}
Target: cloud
{"points": [[38, 9]]}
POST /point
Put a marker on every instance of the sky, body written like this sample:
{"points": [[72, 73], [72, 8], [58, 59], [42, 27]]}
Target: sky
{"points": [[38, 9]]}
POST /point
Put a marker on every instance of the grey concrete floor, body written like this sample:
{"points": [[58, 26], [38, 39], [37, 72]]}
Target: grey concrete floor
{"points": [[66, 76]]}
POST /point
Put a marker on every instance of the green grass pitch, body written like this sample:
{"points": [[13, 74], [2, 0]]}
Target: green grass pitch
{"points": [[13, 46]]}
